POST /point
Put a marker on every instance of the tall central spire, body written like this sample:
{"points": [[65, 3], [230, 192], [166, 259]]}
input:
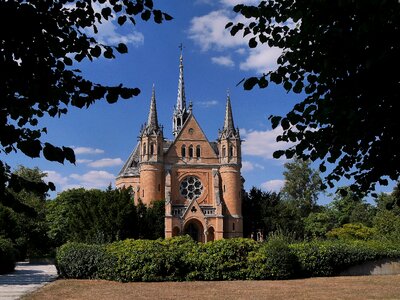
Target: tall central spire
{"points": [[181, 112], [181, 100]]}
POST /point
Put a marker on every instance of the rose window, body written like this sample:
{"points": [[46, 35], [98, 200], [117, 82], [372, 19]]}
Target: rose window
{"points": [[191, 188]]}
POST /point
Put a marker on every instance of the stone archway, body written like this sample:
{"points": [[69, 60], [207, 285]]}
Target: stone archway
{"points": [[195, 230]]}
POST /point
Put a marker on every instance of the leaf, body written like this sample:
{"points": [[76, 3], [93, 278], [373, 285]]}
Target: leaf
{"points": [[106, 12], [146, 15], [121, 20], [69, 154], [250, 83], [111, 97], [96, 51], [285, 124], [278, 154], [263, 82], [52, 153], [121, 48], [67, 61], [167, 17], [157, 16], [275, 121], [148, 3], [252, 42], [30, 148], [228, 25]]}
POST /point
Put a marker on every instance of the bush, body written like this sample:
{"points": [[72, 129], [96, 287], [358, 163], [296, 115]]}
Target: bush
{"points": [[7, 256], [181, 258], [221, 260], [273, 260], [327, 258], [147, 260], [82, 261]]}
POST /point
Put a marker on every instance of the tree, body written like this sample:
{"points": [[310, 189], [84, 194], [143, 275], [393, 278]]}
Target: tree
{"points": [[24, 221], [343, 58], [302, 185], [351, 208], [268, 213], [38, 65]]}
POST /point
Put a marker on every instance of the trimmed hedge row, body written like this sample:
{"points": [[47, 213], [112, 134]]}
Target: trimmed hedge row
{"points": [[7, 256], [181, 258]]}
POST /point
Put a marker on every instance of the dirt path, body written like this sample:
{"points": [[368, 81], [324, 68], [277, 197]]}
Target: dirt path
{"points": [[355, 287]]}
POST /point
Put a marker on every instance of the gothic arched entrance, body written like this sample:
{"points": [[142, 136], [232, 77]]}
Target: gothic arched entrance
{"points": [[195, 229], [210, 234]]}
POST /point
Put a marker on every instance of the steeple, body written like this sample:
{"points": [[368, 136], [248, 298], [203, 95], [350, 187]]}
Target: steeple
{"points": [[228, 131], [152, 126], [181, 100], [180, 110]]}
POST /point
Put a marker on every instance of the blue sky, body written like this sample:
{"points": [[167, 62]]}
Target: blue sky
{"points": [[104, 135]]}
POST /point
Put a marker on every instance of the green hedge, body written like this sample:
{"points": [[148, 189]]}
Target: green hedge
{"points": [[82, 261], [181, 258], [7, 256], [326, 258]]}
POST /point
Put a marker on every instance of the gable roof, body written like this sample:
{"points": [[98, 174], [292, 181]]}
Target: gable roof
{"points": [[183, 131]]}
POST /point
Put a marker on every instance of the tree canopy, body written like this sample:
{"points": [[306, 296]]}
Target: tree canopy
{"points": [[343, 58], [38, 76]]}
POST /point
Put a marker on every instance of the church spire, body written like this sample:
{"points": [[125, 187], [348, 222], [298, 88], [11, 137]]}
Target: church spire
{"points": [[229, 128], [181, 100], [228, 122], [152, 125], [181, 112]]}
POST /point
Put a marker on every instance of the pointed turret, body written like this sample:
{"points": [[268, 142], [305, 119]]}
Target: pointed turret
{"points": [[228, 131], [152, 126], [180, 111]]}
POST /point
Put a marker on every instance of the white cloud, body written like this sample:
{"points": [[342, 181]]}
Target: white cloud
{"points": [[261, 59], [248, 166], [235, 2], [83, 161], [223, 61], [94, 179], [106, 162], [207, 104], [274, 185], [209, 31], [108, 34], [262, 143], [55, 177], [87, 150]]}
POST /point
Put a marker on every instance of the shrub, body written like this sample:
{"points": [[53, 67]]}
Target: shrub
{"points": [[221, 260], [7, 256], [327, 258], [147, 260], [273, 260], [82, 261]]}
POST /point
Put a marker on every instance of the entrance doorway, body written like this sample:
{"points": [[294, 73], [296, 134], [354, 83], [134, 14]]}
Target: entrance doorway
{"points": [[195, 230]]}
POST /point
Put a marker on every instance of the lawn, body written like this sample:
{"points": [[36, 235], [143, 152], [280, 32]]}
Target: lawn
{"points": [[354, 287]]}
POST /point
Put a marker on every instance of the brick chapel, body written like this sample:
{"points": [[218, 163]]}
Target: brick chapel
{"points": [[199, 180]]}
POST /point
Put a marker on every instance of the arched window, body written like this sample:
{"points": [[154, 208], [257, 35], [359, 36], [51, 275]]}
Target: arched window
{"points": [[223, 151], [183, 151], [178, 122], [144, 149], [158, 150], [191, 151], [231, 151], [151, 149], [198, 151], [233, 226]]}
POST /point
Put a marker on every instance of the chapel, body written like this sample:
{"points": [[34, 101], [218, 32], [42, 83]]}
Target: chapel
{"points": [[199, 180]]}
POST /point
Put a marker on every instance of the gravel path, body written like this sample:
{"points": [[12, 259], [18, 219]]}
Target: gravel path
{"points": [[25, 279]]}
